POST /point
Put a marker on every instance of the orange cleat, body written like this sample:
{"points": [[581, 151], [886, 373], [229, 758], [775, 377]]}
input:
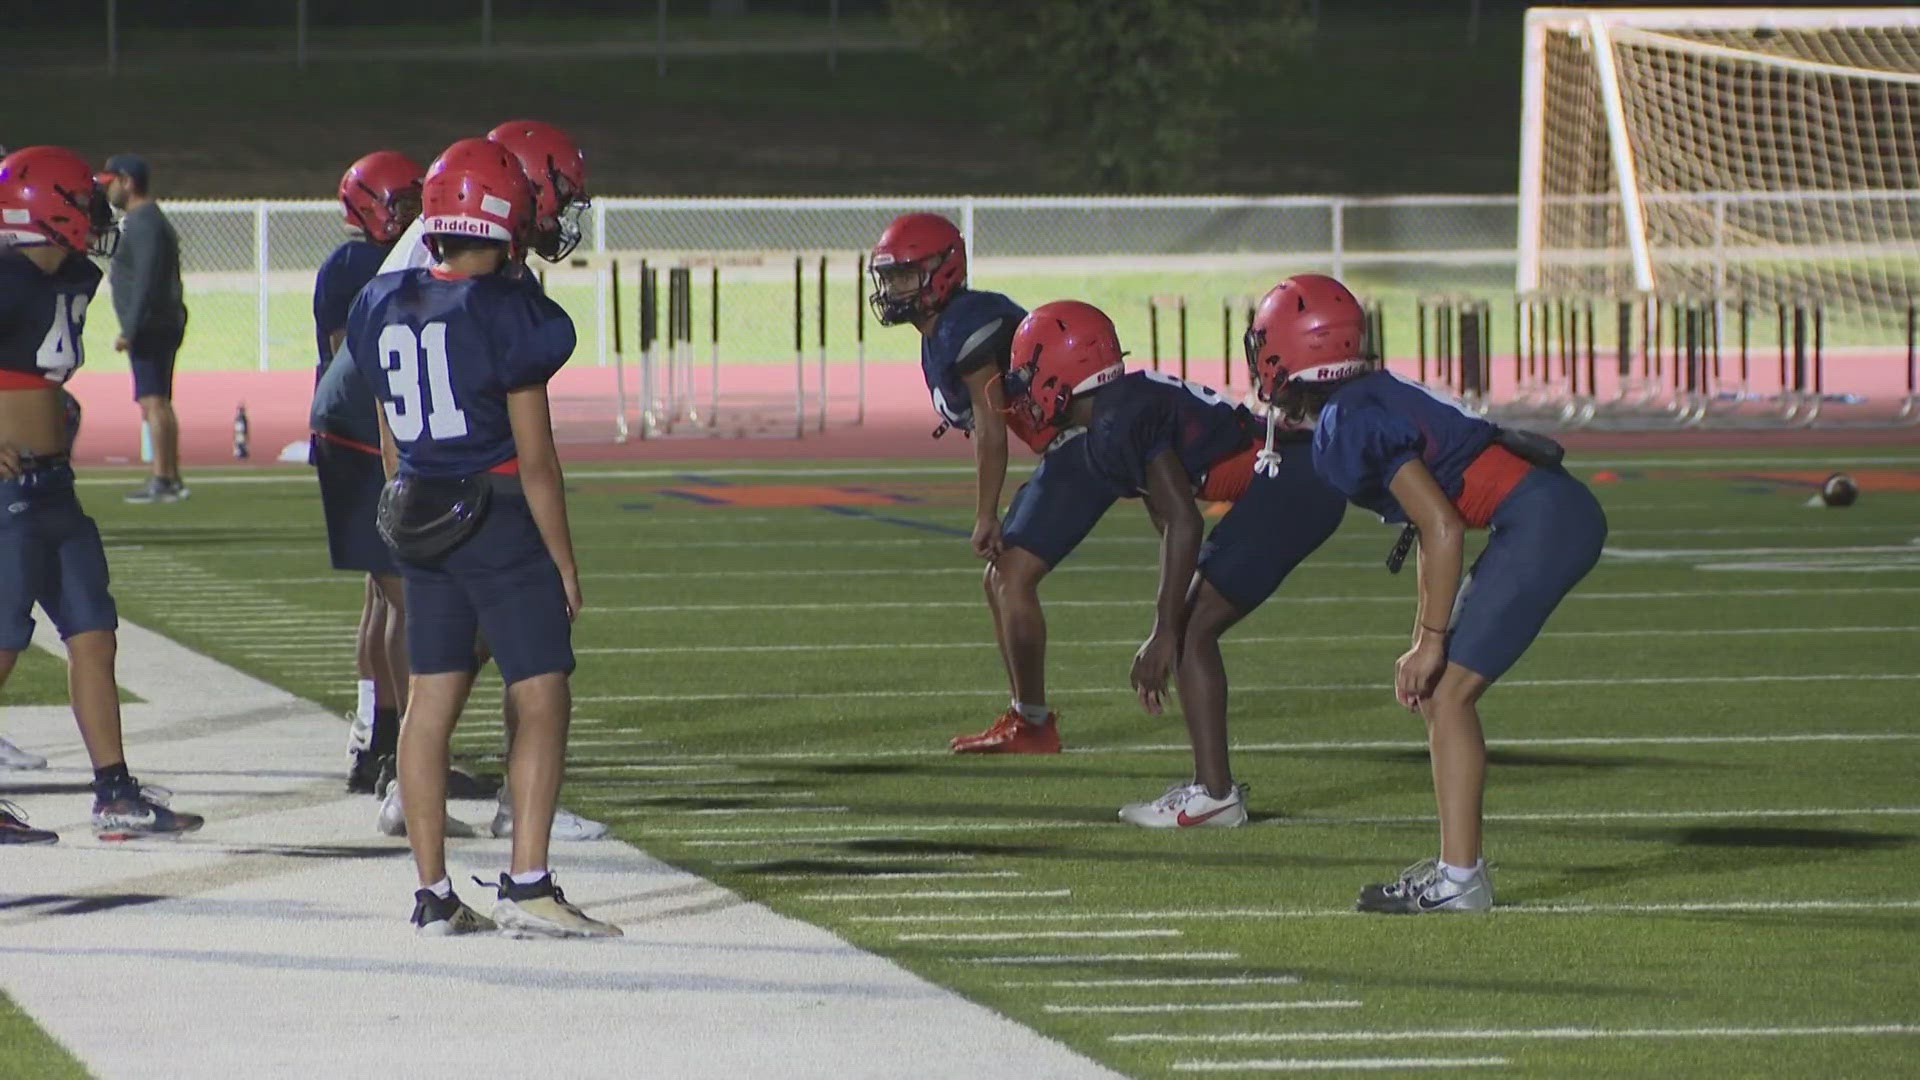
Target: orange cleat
{"points": [[1012, 735]]}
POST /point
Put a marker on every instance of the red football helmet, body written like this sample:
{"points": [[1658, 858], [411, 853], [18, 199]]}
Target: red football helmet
{"points": [[476, 188], [916, 266], [1309, 328], [381, 194], [558, 172], [48, 196], [1061, 350]]}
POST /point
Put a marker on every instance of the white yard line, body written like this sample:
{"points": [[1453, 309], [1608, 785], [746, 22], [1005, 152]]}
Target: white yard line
{"points": [[1376, 687], [1101, 958], [1046, 935], [287, 914], [1498, 1034], [1705, 907], [1336, 1064], [1147, 983], [942, 894], [818, 876], [1200, 1006]]}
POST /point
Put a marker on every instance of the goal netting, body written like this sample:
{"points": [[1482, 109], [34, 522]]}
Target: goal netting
{"points": [[1770, 154]]}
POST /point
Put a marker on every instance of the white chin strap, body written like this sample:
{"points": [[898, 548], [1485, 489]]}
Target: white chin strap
{"points": [[1267, 461]]}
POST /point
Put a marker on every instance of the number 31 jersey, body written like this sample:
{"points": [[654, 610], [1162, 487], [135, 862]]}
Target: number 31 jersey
{"points": [[41, 316], [441, 354]]}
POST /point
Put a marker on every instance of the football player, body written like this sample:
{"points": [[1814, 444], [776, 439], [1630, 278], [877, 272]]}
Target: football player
{"points": [[557, 172], [919, 270], [380, 194], [1394, 447], [459, 355], [1168, 441], [52, 216]]}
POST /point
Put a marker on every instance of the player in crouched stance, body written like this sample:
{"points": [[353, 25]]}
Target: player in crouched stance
{"points": [[1392, 446], [51, 217], [459, 355]]}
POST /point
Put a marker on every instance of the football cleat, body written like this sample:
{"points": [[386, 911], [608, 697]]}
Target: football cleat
{"points": [[567, 825], [1188, 806], [1423, 890], [1009, 734], [131, 810], [437, 917], [540, 909], [392, 819], [15, 830], [12, 757]]}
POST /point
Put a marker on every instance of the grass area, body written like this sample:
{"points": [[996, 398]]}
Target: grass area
{"points": [[38, 678], [1701, 801], [26, 1053]]}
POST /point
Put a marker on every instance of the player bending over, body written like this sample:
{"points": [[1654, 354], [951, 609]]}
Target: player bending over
{"points": [[1166, 441], [557, 172], [459, 355], [52, 216], [1394, 447], [380, 194], [919, 269]]}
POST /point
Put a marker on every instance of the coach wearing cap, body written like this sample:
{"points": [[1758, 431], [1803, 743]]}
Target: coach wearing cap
{"points": [[153, 319]]}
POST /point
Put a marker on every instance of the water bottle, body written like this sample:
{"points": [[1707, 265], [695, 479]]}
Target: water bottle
{"points": [[240, 432]]}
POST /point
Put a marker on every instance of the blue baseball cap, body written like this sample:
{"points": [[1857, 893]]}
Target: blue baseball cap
{"points": [[131, 166]]}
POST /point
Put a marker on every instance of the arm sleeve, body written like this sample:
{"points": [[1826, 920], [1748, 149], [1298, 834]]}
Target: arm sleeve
{"points": [[1359, 449], [986, 344], [535, 337], [140, 255]]}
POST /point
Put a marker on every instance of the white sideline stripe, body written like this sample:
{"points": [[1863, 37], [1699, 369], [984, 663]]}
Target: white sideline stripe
{"points": [[945, 894], [1519, 1033], [1372, 687], [1141, 567], [1709, 553], [647, 767], [1101, 958], [1274, 639], [1678, 908], [698, 781], [890, 875], [926, 856], [772, 809], [1231, 980], [1396, 598], [1046, 935], [1337, 744], [653, 801], [1313, 820], [1334, 1064], [1202, 1006]]}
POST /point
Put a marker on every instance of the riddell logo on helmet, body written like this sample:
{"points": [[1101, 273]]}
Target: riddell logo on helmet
{"points": [[462, 225]]}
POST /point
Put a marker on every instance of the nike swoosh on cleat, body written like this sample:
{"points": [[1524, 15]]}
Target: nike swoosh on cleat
{"points": [[1186, 821], [1436, 905]]}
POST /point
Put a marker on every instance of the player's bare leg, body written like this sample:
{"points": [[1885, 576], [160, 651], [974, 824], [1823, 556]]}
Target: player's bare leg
{"points": [[433, 708], [1013, 587], [563, 824], [164, 428], [1212, 798], [393, 621], [1459, 754], [542, 707]]}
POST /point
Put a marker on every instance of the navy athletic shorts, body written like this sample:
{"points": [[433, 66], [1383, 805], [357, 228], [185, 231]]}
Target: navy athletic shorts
{"points": [[1546, 534], [350, 483], [500, 583], [1059, 504], [50, 554], [1278, 521]]}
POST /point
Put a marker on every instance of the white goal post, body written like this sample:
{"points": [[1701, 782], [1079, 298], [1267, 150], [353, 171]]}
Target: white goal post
{"points": [[1763, 153]]}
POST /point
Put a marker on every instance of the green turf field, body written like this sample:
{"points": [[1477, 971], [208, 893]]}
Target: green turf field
{"points": [[26, 1053], [1702, 809], [38, 678]]}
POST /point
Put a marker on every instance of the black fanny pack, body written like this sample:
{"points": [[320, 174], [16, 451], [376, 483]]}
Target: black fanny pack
{"points": [[1529, 446], [423, 519]]}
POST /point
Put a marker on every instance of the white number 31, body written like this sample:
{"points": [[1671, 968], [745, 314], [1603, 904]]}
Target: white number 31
{"points": [[400, 357]]}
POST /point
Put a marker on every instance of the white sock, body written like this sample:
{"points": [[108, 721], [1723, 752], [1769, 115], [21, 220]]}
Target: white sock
{"points": [[529, 877], [1460, 875], [1032, 714], [442, 888], [364, 710]]}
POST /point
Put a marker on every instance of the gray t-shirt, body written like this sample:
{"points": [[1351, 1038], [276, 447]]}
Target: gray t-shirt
{"points": [[146, 274]]}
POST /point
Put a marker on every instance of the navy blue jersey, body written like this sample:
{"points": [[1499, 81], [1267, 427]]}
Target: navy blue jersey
{"points": [[441, 354], [1143, 413], [1378, 422], [341, 278], [41, 315], [973, 330]]}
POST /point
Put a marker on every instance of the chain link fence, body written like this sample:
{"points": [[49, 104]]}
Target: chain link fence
{"points": [[249, 265]]}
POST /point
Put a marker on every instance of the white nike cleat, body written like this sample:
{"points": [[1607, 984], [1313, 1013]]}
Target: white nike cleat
{"points": [[1188, 806], [567, 825], [12, 757], [393, 818], [1424, 890]]}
